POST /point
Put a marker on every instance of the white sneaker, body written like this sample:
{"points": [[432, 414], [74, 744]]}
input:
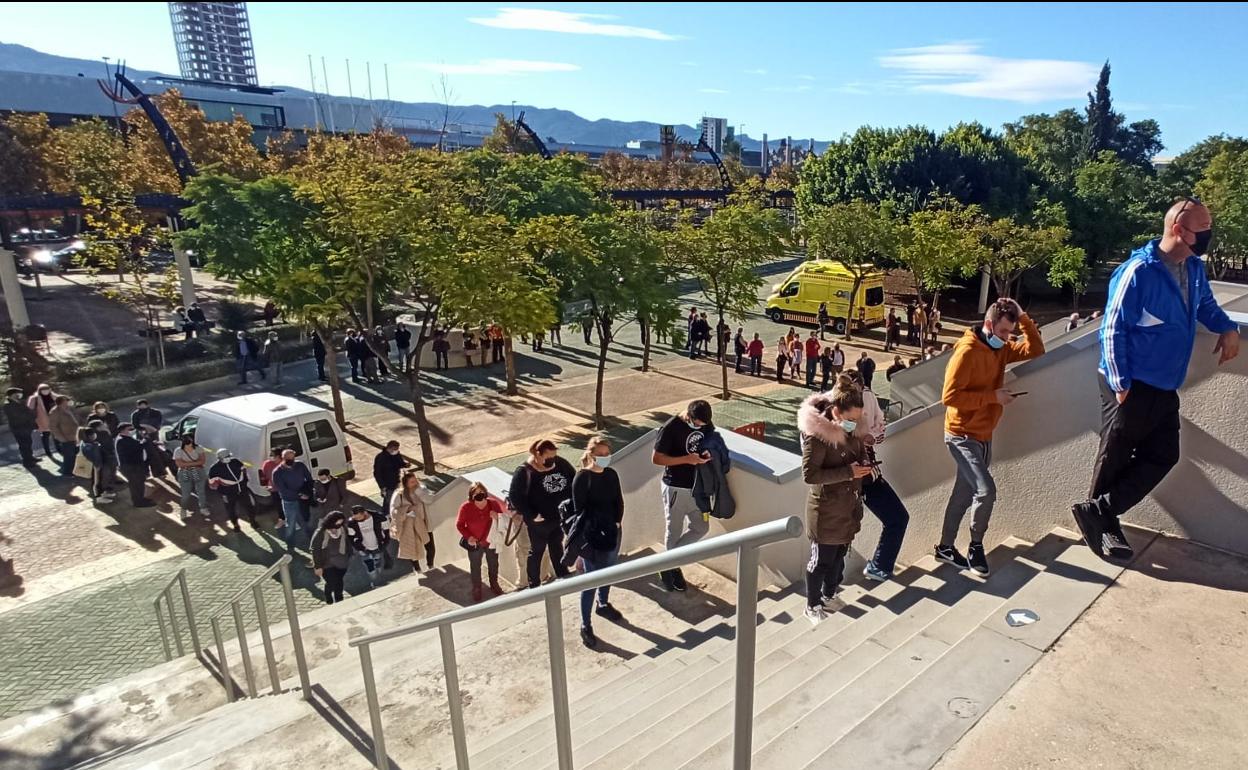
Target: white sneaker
{"points": [[815, 615], [186, 516], [833, 604]]}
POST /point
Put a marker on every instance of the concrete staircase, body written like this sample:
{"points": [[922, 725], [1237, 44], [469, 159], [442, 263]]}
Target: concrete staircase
{"points": [[893, 680]]}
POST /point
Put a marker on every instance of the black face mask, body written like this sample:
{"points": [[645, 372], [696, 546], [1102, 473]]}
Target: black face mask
{"points": [[288, 463], [1203, 238], [548, 462]]}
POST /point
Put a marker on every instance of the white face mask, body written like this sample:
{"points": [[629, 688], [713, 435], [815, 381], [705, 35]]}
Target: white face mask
{"points": [[335, 533]]}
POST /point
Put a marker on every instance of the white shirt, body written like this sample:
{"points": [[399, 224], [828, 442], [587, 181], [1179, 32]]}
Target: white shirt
{"points": [[838, 358], [368, 535]]}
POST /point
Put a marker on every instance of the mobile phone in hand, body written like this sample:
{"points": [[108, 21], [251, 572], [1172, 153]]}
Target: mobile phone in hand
{"points": [[1020, 393]]}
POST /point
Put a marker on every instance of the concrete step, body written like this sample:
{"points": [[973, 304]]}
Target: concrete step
{"points": [[926, 717]]}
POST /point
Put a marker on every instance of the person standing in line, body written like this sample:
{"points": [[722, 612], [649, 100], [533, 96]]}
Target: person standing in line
{"points": [[556, 328], [21, 420], [331, 554], [702, 329], [975, 398], [330, 492], [370, 535], [191, 459], [838, 360], [795, 356], [866, 367], [812, 359], [892, 330], [538, 487], [587, 327], [269, 313], [678, 450], [381, 349], [108, 453], [247, 357], [474, 521], [132, 457], [409, 521], [497, 351], [41, 403], [266, 471], [368, 360], [782, 358], [1156, 298], [833, 466], [291, 482], [825, 366], [318, 353], [63, 424], [403, 345], [824, 319], [89, 447], [354, 354], [690, 339], [200, 321], [911, 337], [228, 476], [897, 366], [441, 351], [101, 411], [145, 419], [598, 500], [272, 356], [920, 326], [755, 351], [740, 347], [877, 494], [933, 322], [159, 458], [388, 465], [723, 335], [539, 339]]}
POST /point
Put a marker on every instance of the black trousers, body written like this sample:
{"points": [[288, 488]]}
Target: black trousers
{"points": [[232, 504], [136, 477], [496, 351], [441, 359], [46, 438], [320, 367], [429, 554], [824, 572], [25, 443], [355, 369], [543, 539], [756, 366], [333, 583], [1139, 446]]}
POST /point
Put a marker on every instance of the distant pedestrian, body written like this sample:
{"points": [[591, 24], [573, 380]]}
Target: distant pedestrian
{"points": [[782, 358], [269, 313], [272, 355], [690, 339], [318, 352], [228, 476], [497, 342], [63, 425], [388, 466], [266, 470], [474, 522], [723, 336], [108, 453], [812, 358], [796, 353], [587, 327], [598, 501], [192, 476], [897, 366], [370, 535], [132, 459], [41, 403], [539, 340], [1072, 323], [556, 328], [911, 337], [292, 482], [892, 330], [755, 350], [145, 419], [441, 351], [403, 345], [331, 492], [159, 461], [21, 420], [101, 411], [381, 346], [825, 366], [740, 347], [196, 315], [701, 335], [920, 326], [823, 318], [247, 357], [183, 322], [331, 554], [409, 521], [355, 354], [866, 367], [838, 360], [933, 323]]}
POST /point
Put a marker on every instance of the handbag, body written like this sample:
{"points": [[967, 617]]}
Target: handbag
{"points": [[83, 468], [463, 543]]}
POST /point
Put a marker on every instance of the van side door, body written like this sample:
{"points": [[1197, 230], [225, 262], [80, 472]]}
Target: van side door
{"points": [[325, 449]]}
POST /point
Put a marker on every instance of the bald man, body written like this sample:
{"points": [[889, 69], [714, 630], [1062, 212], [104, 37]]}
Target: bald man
{"points": [[1155, 299]]}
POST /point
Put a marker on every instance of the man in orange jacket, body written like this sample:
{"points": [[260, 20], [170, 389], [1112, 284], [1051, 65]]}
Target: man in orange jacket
{"points": [[974, 399]]}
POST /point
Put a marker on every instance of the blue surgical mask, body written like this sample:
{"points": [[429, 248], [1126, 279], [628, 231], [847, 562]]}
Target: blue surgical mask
{"points": [[995, 342], [849, 426], [602, 461]]}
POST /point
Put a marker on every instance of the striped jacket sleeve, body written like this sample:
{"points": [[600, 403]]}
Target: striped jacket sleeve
{"points": [[1121, 315]]}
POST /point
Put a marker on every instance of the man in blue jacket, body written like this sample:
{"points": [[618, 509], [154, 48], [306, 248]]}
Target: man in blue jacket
{"points": [[1155, 299]]}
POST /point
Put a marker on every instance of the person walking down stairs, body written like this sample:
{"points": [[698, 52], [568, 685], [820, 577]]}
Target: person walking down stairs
{"points": [[833, 465], [331, 554], [370, 535], [599, 504], [474, 522]]}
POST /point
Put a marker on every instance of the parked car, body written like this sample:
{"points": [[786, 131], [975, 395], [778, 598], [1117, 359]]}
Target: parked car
{"points": [[46, 251]]}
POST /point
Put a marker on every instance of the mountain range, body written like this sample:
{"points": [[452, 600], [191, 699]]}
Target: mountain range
{"points": [[563, 125]]}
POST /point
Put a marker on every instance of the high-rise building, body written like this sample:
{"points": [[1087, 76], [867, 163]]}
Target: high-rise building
{"points": [[214, 42], [714, 129]]}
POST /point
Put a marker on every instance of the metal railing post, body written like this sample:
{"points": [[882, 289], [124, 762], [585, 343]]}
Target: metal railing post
{"points": [[269, 658], [559, 681], [241, 632], [190, 611], [374, 709], [747, 607], [173, 621], [296, 636], [164, 635], [222, 661], [456, 705]]}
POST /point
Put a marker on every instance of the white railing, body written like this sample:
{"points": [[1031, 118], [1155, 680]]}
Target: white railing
{"points": [[745, 543]]}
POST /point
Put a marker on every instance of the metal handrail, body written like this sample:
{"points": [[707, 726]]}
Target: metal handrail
{"points": [[166, 594], [234, 606], [745, 543]]}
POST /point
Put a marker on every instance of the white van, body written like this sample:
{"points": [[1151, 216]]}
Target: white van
{"points": [[253, 425]]}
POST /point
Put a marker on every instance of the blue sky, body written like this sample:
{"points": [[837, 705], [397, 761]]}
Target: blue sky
{"points": [[801, 70]]}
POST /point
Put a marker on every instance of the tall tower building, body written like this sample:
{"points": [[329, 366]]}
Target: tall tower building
{"points": [[214, 42], [715, 128]]}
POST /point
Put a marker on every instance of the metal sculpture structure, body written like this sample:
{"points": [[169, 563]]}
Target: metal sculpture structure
{"points": [[537, 140], [177, 152]]}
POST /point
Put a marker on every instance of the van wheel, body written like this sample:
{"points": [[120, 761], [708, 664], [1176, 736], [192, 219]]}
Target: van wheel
{"points": [[775, 315], [838, 325]]}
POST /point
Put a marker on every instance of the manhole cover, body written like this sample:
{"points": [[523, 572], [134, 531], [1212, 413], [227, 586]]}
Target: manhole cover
{"points": [[963, 708]]}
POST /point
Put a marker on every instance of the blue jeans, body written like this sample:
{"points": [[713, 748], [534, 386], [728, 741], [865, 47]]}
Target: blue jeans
{"points": [[372, 564], [292, 512], [884, 503], [811, 365], [595, 560], [973, 489]]}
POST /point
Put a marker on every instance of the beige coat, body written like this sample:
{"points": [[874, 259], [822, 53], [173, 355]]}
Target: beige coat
{"points": [[63, 424], [409, 523]]}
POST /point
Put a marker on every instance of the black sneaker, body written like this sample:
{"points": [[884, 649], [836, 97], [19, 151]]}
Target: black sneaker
{"points": [[949, 555], [978, 559], [588, 638], [1115, 542], [1088, 519], [668, 579], [679, 580], [609, 612]]}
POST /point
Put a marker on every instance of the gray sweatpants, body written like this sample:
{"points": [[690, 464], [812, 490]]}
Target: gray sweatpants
{"points": [[685, 523], [973, 488]]}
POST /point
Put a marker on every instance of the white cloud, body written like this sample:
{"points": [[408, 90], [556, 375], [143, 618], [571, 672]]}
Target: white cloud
{"points": [[805, 77], [565, 21], [789, 89], [496, 67], [959, 69], [756, 72], [689, 64], [856, 88], [712, 91]]}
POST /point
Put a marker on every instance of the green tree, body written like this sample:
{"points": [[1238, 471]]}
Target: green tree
{"points": [[723, 254], [1051, 145], [1224, 189], [1180, 176], [938, 243], [1102, 121], [1013, 248], [860, 236], [1113, 203]]}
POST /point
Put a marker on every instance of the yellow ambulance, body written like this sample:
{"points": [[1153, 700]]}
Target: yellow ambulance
{"points": [[798, 296]]}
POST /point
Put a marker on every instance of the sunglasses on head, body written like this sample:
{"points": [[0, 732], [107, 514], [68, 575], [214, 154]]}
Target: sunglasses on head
{"points": [[1188, 200]]}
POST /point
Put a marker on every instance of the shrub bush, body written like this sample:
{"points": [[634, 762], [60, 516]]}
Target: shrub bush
{"points": [[235, 316]]}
